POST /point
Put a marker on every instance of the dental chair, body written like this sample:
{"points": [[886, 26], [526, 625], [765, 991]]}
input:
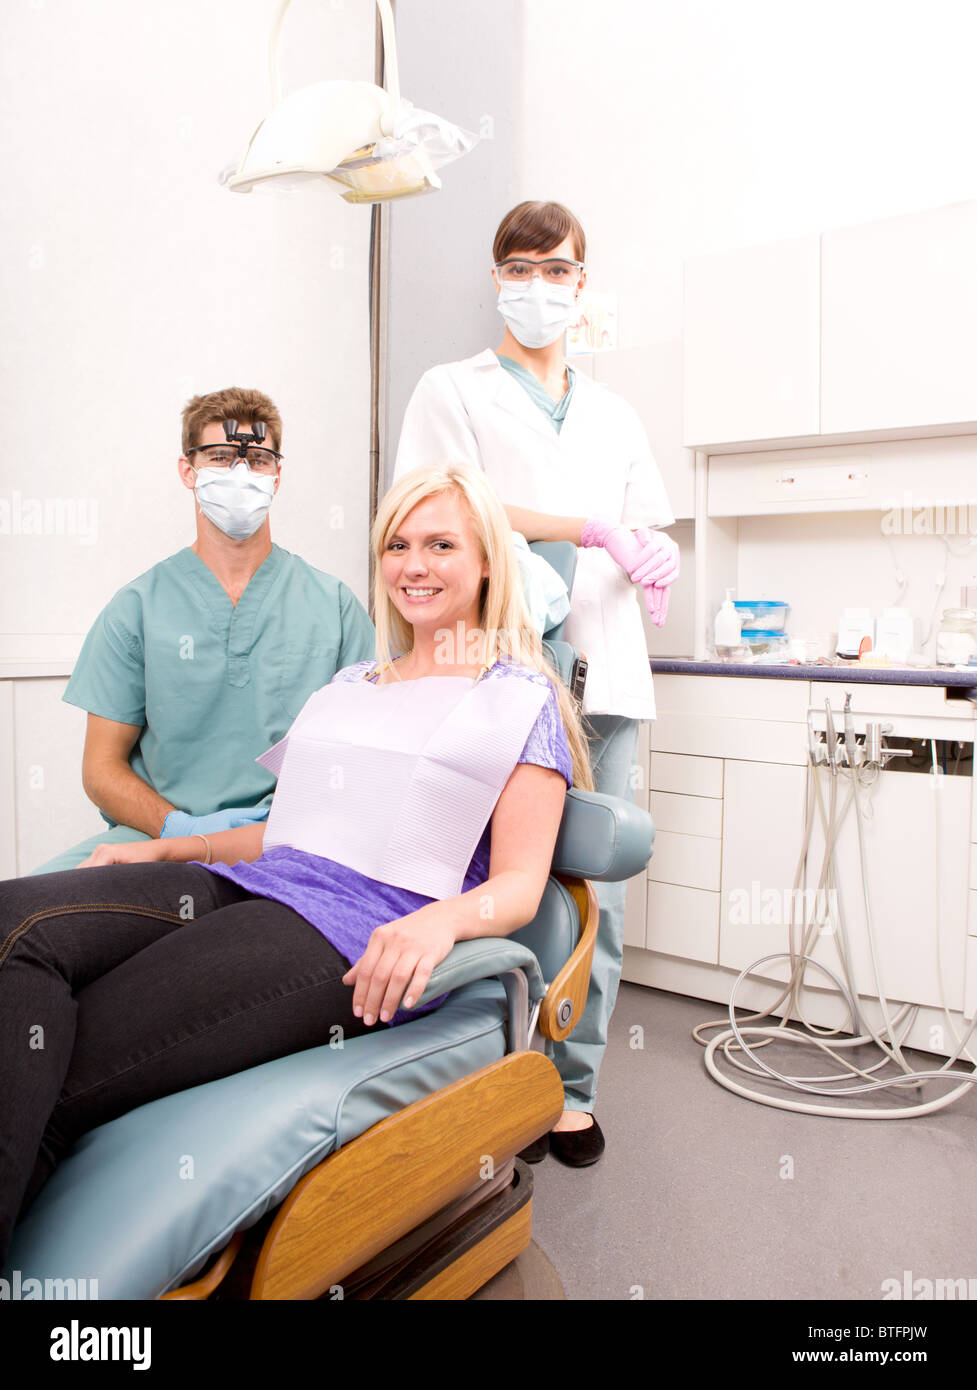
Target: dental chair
{"points": [[383, 1166]]}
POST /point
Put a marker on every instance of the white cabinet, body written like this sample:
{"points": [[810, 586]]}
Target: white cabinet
{"points": [[899, 322], [725, 883], [43, 807], [915, 836], [684, 873], [763, 817], [917, 909], [864, 332], [752, 344]]}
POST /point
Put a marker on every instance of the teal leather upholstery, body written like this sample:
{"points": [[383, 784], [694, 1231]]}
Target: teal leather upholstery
{"points": [[144, 1201], [562, 556]]}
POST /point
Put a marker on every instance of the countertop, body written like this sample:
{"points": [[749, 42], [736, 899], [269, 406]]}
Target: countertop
{"points": [[853, 672]]}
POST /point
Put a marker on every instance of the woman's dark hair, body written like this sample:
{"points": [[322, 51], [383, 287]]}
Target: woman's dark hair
{"points": [[537, 227]]}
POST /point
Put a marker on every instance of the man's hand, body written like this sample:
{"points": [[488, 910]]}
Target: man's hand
{"points": [[397, 963], [180, 823]]}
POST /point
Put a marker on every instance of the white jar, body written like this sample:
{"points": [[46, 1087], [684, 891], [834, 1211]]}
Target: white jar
{"points": [[956, 641]]}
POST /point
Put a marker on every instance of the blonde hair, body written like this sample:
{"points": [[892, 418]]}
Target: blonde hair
{"points": [[506, 627]]}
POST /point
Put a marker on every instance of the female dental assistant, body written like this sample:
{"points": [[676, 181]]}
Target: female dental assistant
{"points": [[570, 460]]}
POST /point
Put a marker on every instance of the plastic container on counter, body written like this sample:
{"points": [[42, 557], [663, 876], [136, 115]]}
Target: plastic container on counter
{"points": [[767, 645], [762, 615], [956, 641]]}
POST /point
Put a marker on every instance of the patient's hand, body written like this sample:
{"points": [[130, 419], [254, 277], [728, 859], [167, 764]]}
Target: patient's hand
{"points": [[398, 962], [129, 852]]}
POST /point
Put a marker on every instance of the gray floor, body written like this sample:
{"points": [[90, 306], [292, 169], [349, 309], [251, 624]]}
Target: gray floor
{"points": [[689, 1202]]}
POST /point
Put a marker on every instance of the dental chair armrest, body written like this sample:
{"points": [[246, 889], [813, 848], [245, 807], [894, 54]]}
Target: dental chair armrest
{"points": [[484, 957], [566, 998], [603, 837]]}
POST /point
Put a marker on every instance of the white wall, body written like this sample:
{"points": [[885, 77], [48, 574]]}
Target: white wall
{"points": [[674, 128], [680, 127], [131, 280]]}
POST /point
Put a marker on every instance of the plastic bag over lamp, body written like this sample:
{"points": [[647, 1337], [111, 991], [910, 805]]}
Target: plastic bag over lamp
{"points": [[365, 138]]}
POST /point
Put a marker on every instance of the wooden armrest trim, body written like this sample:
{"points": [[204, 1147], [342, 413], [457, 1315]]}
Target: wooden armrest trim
{"points": [[573, 981]]}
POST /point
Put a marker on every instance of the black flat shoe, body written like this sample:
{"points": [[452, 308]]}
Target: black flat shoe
{"points": [[536, 1151], [577, 1148]]}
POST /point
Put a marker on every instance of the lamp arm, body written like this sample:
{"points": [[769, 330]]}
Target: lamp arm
{"points": [[391, 70], [274, 75]]}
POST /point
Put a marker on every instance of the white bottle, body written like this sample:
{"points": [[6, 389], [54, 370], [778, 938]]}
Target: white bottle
{"points": [[727, 625]]}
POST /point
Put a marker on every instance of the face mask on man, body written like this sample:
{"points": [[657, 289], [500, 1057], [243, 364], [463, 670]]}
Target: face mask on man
{"points": [[537, 313], [234, 499]]}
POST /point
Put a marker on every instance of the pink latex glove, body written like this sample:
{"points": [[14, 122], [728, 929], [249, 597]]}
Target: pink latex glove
{"points": [[650, 557], [656, 602], [658, 573], [620, 543], [660, 564], [640, 553]]}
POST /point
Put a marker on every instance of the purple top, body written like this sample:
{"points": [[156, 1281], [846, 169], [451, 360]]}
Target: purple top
{"points": [[345, 905]]}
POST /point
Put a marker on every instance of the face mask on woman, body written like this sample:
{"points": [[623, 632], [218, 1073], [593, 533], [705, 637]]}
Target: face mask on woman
{"points": [[234, 499], [537, 313]]}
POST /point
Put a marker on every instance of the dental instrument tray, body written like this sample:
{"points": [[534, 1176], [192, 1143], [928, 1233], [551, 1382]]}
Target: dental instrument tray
{"points": [[763, 614]]}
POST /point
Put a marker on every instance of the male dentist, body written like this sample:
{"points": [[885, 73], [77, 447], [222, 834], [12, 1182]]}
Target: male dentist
{"points": [[204, 661]]}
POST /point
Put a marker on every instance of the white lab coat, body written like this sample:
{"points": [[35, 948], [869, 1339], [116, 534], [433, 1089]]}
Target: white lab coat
{"points": [[599, 465]]}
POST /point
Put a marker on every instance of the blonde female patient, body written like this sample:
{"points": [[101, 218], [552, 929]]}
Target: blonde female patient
{"points": [[418, 801]]}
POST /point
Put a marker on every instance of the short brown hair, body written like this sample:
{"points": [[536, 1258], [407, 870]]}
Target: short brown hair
{"points": [[233, 404], [537, 227]]}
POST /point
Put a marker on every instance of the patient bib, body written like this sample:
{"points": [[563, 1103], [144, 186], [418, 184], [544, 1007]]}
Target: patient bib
{"points": [[399, 781]]}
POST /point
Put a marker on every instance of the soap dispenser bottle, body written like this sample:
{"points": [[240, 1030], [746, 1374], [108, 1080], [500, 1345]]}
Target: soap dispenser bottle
{"points": [[727, 625]]}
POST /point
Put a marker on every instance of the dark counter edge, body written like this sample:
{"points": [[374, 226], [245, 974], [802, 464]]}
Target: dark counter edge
{"points": [[964, 681]]}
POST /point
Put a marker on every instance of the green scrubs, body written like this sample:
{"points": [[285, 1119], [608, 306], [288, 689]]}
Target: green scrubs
{"points": [[555, 411], [213, 685]]}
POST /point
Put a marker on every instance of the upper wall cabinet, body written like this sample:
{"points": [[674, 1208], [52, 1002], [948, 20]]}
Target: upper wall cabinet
{"points": [[752, 344], [899, 322], [866, 332]]}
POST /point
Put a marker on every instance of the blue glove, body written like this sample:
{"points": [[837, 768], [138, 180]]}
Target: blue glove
{"points": [[180, 823]]}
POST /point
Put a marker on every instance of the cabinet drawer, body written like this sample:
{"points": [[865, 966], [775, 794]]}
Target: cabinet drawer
{"points": [[687, 815], [683, 922], [692, 861], [779, 486], [751, 740], [678, 772], [729, 697]]}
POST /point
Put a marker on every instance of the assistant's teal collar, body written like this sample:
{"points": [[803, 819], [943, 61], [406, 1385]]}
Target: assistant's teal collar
{"points": [[555, 411]]}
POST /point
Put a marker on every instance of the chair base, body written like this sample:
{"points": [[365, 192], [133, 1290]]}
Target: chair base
{"points": [[437, 1262], [459, 1260]]}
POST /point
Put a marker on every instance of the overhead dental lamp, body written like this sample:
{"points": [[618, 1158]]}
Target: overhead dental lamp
{"points": [[365, 138]]}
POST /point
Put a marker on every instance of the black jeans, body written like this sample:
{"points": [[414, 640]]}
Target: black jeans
{"points": [[125, 983]]}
